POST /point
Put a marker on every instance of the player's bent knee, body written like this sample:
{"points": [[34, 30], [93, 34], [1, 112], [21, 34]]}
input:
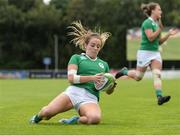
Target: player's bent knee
{"points": [[139, 75], [94, 119], [156, 73]]}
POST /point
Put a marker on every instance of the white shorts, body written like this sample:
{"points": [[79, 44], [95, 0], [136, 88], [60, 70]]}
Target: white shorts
{"points": [[144, 58], [79, 96]]}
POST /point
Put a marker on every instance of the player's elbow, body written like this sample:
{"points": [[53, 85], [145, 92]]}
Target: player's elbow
{"points": [[70, 79]]}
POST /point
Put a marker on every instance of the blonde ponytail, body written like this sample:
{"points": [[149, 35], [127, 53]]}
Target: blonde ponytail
{"points": [[82, 35]]}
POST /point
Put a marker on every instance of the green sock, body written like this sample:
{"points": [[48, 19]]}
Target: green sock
{"points": [[125, 71], [158, 93], [37, 119]]}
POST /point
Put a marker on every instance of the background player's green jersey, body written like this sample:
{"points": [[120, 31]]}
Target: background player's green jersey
{"points": [[87, 67], [149, 23]]}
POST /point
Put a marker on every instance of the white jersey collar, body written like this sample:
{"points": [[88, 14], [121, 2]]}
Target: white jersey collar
{"points": [[89, 57], [152, 19]]}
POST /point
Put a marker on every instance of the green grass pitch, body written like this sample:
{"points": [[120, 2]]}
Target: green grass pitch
{"points": [[131, 109]]}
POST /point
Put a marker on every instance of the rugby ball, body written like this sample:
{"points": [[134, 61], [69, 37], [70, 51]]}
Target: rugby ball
{"points": [[107, 84]]}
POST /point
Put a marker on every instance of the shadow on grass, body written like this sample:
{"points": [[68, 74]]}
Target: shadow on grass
{"points": [[59, 124], [54, 124]]}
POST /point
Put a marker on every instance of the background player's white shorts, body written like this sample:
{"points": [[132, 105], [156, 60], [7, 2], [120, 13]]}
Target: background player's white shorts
{"points": [[144, 58], [79, 96]]}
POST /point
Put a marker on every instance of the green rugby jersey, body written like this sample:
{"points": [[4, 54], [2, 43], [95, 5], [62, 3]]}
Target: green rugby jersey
{"points": [[87, 67], [149, 23]]}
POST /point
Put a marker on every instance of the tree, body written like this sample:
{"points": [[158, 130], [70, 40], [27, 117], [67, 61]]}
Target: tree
{"points": [[27, 35], [24, 5], [27, 28]]}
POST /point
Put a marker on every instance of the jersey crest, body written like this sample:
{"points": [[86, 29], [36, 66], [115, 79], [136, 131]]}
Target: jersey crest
{"points": [[101, 65]]}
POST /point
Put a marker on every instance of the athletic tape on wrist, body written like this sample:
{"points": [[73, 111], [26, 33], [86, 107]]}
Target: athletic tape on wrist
{"points": [[76, 78]]}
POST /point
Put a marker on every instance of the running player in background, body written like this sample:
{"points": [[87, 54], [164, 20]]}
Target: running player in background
{"points": [[148, 54]]}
